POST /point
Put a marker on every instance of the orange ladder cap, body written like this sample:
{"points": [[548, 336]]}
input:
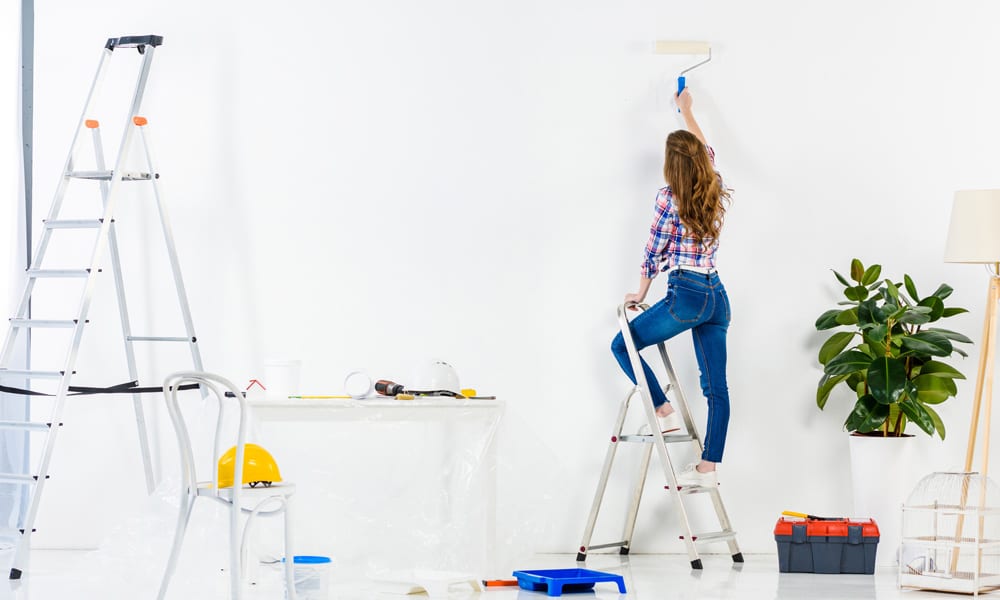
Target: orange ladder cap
{"points": [[140, 121], [91, 124]]}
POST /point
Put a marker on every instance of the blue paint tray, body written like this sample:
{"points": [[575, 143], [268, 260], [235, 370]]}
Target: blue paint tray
{"points": [[556, 581]]}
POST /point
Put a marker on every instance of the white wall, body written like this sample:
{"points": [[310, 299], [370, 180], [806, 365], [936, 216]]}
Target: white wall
{"points": [[378, 183]]}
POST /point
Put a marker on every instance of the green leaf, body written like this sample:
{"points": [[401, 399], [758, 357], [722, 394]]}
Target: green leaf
{"points": [[868, 415], [875, 336], [871, 274], [910, 288], [918, 315], [848, 317], [951, 312], [892, 289], [887, 379], [951, 335], [934, 390], [841, 279], [856, 293], [826, 385], [944, 290], [828, 320], [935, 304], [834, 346], [938, 423], [848, 362], [928, 342], [940, 369], [857, 270], [918, 414], [869, 313]]}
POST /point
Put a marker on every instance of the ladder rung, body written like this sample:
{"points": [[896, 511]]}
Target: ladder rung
{"points": [[712, 537], [107, 175], [694, 489], [31, 374], [18, 478], [25, 425], [153, 338], [50, 323], [36, 273], [668, 438], [75, 224]]}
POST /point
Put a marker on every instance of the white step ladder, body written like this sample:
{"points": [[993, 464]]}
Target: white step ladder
{"points": [[111, 183], [660, 442]]}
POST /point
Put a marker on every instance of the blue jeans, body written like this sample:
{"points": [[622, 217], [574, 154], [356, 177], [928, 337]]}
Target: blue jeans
{"points": [[695, 301]]}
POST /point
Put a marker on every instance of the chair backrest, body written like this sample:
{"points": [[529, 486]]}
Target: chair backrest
{"points": [[217, 386]]}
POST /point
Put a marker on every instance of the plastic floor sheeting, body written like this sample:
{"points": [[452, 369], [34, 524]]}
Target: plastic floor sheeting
{"points": [[59, 575]]}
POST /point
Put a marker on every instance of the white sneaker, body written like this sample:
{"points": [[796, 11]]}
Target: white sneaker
{"points": [[671, 423], [691, 476]]}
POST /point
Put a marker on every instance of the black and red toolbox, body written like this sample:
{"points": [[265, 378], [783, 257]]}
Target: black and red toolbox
{"points": [[826, 545]]}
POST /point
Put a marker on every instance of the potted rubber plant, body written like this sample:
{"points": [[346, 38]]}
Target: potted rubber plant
{"points": [[892, 354]]}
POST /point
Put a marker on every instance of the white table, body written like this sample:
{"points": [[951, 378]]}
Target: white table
{"points": [[388, 485]]}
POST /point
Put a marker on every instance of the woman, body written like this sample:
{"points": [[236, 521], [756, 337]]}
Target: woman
{"points": [[683, 241]]}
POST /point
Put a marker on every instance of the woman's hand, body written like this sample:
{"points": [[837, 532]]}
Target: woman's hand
{"points": [[683, 100], [632, 300]]}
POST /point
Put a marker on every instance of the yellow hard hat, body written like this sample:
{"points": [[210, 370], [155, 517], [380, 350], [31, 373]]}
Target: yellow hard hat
{"points": [[258, 467]]}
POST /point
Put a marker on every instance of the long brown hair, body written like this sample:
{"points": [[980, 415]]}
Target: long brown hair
{"points": [[697, 190]]}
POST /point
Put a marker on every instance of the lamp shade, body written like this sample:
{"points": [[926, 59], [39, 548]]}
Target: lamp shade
{"points": [[974, 233]]}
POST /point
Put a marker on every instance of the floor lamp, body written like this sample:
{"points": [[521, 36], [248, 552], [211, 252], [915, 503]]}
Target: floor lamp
{"points": [[974, 237]]}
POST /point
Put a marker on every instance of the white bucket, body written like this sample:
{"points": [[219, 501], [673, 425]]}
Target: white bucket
{"points": [[312, 578], [281, 378]]}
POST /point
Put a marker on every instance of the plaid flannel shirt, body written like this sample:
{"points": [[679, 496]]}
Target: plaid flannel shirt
{"points": [[669, 243]]}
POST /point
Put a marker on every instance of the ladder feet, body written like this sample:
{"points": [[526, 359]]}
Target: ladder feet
{"points": [[15, 573], [580, 557], [623, 551], [696, 564], [738, 557]]}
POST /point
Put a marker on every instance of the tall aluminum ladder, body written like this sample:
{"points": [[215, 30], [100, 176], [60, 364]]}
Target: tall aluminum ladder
{"points": [[111, 183], [661, 443]]}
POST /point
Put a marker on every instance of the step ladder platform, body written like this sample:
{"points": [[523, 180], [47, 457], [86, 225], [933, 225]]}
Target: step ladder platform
{"points": [[715, 536], [74, 223], [31, 374], [67, 273], [18, 478], [109, 175], [687, 490], [24, 425], [45, 323], [668, 438]]}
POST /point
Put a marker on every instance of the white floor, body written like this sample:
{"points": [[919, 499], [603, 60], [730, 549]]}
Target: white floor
{"points": [[69, 574]]}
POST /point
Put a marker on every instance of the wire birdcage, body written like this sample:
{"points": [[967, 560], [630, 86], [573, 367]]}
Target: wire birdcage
{"points": [[951, 534]]}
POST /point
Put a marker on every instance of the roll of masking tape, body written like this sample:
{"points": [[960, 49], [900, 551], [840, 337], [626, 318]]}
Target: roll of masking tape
{"points": [[358, 385]]}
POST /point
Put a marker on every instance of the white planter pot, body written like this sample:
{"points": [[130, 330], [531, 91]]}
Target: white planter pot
{"points": [[881, 478]]}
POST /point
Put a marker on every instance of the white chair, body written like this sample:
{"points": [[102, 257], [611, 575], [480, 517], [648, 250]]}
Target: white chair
{"points": [[263, 501]]}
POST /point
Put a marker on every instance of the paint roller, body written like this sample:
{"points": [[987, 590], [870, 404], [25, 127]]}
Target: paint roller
{"points": [[670, 47]]}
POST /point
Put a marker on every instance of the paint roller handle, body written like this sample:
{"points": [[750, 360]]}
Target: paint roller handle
{"points": [[681, 84]]}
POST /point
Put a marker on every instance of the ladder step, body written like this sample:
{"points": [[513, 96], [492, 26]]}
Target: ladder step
{"points": [[695, 489], [153, 338], [108, 175], [24, 425], [32, 374], [712, 537], [49, 323], [18, 478], [38, 273], [75, 224], [668, 438]]}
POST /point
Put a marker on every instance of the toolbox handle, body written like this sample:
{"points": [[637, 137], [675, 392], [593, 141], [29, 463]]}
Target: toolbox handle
{"points": [[799, 534], [854, 534]]}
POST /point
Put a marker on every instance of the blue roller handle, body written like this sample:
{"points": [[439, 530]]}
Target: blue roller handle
{"points": [[681, 84]]}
